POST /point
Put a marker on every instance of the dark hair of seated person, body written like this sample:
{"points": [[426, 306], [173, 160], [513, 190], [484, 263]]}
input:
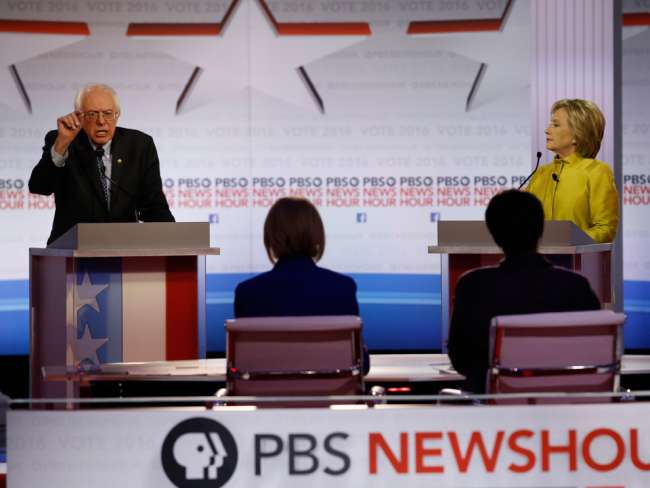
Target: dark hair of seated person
{"points": [[294, 228], [516, 221]]}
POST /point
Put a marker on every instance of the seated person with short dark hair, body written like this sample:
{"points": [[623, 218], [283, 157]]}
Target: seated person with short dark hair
{"points": [[524, 282], [294, 238]]}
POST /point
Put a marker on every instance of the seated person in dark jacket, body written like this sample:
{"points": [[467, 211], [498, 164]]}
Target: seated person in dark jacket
{"points": [[524, 282], [294, 238]]}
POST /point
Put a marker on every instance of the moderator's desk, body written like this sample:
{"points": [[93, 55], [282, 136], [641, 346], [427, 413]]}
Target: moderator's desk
{"points": [[385, 368]]}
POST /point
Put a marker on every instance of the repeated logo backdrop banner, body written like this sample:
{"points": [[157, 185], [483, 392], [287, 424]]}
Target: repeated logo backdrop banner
{"points": [[370, 122], [373, 109], [636, 153]]}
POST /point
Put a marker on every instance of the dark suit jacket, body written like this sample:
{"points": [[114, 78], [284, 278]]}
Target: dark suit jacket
{"points": [[77, 189], [519, 285], [297, 287]]}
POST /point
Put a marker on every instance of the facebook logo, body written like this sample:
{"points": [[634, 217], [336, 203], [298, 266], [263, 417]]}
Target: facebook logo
{"points": [[213, 218], [434, 217], [362, 217]]}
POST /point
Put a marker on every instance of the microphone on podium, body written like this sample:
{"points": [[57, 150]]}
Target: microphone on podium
{"points": [[539, 156], [102, 173]]}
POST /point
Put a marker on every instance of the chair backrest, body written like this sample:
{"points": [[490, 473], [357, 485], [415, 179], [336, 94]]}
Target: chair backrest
{"points": [[294, 356], [555, 352]]}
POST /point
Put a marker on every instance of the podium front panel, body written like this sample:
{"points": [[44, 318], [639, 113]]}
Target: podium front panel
{"points": [[89, 311]]}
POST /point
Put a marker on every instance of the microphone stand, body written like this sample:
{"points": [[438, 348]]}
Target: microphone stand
{"points": [[539, 156], [102, 173]]}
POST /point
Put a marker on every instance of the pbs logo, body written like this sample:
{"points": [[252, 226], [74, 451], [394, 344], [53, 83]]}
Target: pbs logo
{"points": [[199, 453]]}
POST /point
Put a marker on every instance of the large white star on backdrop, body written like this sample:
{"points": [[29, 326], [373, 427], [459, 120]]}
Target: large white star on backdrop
{"points": [[86, 346], [250, 52], [22, 40], [504, 55], [86, 294]]}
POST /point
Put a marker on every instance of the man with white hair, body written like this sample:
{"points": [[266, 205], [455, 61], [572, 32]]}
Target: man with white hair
{"points": [[97, 171]]}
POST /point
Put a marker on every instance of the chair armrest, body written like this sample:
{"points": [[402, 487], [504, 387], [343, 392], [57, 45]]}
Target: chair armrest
{"points": [[557, 371], [312, 373]]}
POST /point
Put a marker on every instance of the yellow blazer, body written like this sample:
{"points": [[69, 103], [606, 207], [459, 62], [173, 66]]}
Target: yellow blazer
{"points": [[582, 191]]}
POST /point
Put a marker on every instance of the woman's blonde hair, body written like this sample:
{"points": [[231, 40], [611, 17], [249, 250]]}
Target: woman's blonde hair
{"points": [[587, 123]]}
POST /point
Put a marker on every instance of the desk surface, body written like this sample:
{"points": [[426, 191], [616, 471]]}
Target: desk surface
{"points": [[384, 368]]}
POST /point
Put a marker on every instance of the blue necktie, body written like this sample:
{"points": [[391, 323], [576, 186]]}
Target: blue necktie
{"points": [[99, 154]]}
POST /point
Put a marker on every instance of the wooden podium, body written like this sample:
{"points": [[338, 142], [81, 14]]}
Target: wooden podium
{"points": [[118, 292], [464, 245]]}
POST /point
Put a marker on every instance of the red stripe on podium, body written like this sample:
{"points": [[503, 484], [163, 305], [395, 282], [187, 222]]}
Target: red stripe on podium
{"points": [[182, 312]]}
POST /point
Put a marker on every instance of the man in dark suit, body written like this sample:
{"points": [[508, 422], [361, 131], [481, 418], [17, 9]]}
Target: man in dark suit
{"points": [[97, 171], [294, 238], [524, 282]]}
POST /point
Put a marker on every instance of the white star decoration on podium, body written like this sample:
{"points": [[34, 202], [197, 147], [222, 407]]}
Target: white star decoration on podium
{"points": [[86, 294], [250, 49], [86, 346], [22, 40]]}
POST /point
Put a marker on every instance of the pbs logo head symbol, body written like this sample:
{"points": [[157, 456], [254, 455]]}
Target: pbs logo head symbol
{"points": [[199, 453]]}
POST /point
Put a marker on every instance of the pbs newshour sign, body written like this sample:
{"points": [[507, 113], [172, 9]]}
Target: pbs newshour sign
{"points": [[550, 446]]}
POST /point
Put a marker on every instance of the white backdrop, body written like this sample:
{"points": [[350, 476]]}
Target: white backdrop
{"points": [[383, 140], [394, 107]]}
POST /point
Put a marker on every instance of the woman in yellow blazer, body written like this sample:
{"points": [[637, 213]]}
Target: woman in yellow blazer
{"points": [[575, 186]]}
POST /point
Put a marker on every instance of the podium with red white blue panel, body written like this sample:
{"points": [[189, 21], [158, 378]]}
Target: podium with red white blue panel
{"points": [[464, 245], [117, 292]]}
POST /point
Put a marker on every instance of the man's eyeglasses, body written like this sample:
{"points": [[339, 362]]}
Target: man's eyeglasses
{"points": [[93, 115]]}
